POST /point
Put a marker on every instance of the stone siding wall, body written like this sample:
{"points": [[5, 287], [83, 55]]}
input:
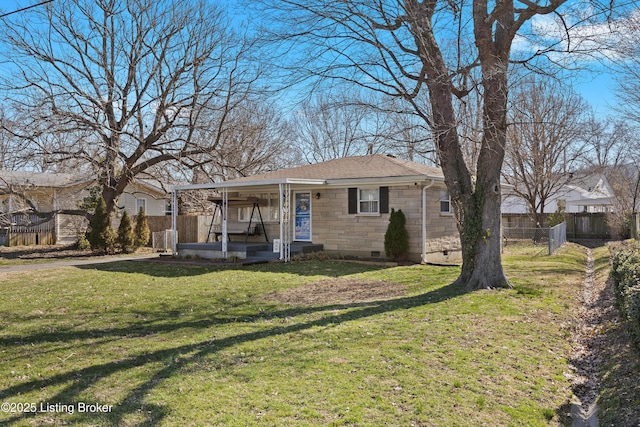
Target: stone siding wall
{"points": [[362, 235]]}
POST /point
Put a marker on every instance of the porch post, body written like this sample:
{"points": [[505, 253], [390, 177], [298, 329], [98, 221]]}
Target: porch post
{"points": [[224, 211], [174, 221], [285, 222]]}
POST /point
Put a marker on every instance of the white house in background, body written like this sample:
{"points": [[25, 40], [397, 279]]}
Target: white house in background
{"points": [[582, 193], [147, 194], [26, 194]]}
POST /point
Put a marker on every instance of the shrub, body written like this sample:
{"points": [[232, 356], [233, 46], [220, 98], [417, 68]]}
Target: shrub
{"points": [[556, 218], [141, 231], [126, 238], [101, 236], [396, 239], [82, 244], [626, 279]]}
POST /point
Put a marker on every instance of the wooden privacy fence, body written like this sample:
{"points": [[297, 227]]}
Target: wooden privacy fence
{"points": [[190, 228], [586, 225], [27, 235]]}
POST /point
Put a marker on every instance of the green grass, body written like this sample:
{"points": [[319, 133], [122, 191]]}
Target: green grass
{"points": [[178, 346]]}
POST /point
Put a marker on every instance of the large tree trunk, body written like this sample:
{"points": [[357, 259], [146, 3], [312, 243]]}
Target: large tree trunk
{"points": [[109, 195], [476, 200], [481, 210], [481, 243]]}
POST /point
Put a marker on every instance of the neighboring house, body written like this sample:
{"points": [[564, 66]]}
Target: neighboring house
{"points": [[39, 198], [148, 194], [582, 193], [344, 205]]}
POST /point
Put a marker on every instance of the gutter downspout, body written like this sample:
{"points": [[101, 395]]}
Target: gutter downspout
{"points": [[423, 259]]}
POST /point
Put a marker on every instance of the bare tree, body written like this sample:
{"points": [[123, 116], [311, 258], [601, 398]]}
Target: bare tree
{"points": [[331, 127], [404, 133], [608, 143], [615, 149], [259, 141], [10, 146], [627, 69], [545, 141], [612, 149], [403, 48], [127, 86], [624, 180], [351, 123]]}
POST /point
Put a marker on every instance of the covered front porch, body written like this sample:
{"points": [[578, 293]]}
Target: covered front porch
{"points": [[288, 221], [251, 252]]}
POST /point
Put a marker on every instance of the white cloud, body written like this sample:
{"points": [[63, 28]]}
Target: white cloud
{"points": [[577, 36]]}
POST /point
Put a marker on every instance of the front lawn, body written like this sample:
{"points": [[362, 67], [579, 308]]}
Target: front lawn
{"points": [[305, 343]]}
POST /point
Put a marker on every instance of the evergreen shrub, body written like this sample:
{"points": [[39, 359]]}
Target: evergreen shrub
{"points": [[396, 239], [126, 238], [101, 236], [141, 231]]}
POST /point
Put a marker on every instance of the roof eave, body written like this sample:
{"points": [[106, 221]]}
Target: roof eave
{"points": [[385, 180], [241, 184]]}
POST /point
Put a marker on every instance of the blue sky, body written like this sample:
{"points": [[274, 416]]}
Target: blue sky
{"points": [[598, 88], [599, 91]]}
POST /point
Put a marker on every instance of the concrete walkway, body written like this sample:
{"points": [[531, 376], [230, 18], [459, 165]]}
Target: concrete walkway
{"points": [[71, 262]]}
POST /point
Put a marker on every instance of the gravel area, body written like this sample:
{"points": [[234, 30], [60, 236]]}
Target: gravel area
{"points": [[586, 343], [606, 364]]}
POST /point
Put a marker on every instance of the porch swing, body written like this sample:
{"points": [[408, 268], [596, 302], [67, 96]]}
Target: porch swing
{"points": [[237, 202]]}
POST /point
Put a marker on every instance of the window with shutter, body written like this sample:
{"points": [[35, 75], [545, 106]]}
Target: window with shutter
{"points": [[368, 200]]}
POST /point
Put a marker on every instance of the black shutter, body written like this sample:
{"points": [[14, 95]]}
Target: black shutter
{"points": [[353, 200], [384, 200]]}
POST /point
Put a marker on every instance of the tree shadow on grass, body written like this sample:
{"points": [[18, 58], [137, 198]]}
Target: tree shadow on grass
{"points": [[176, 270], [73, 384]]}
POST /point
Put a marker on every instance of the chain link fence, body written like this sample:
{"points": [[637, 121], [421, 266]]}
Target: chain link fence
{"points": [[548, 239], [557, 237]]}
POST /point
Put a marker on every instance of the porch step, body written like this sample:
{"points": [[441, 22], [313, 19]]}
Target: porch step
{"points": [[263, 255]]}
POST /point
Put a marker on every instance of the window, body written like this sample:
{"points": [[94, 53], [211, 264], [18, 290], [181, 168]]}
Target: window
{"points": [[168, 209], [368, 200], [141, 203], [445, 202]]}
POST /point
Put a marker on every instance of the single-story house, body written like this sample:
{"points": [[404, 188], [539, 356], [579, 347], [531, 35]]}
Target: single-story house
{"points": [[341, 204], [28, 197], [581, 193]]}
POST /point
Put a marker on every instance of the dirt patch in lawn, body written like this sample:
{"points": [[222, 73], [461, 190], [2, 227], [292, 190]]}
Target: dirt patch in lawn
{"points": [[339, 291]]}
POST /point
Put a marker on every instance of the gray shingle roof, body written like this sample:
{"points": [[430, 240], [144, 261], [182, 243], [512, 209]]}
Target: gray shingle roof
{"points": [[356, 167], [38, 179]]}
